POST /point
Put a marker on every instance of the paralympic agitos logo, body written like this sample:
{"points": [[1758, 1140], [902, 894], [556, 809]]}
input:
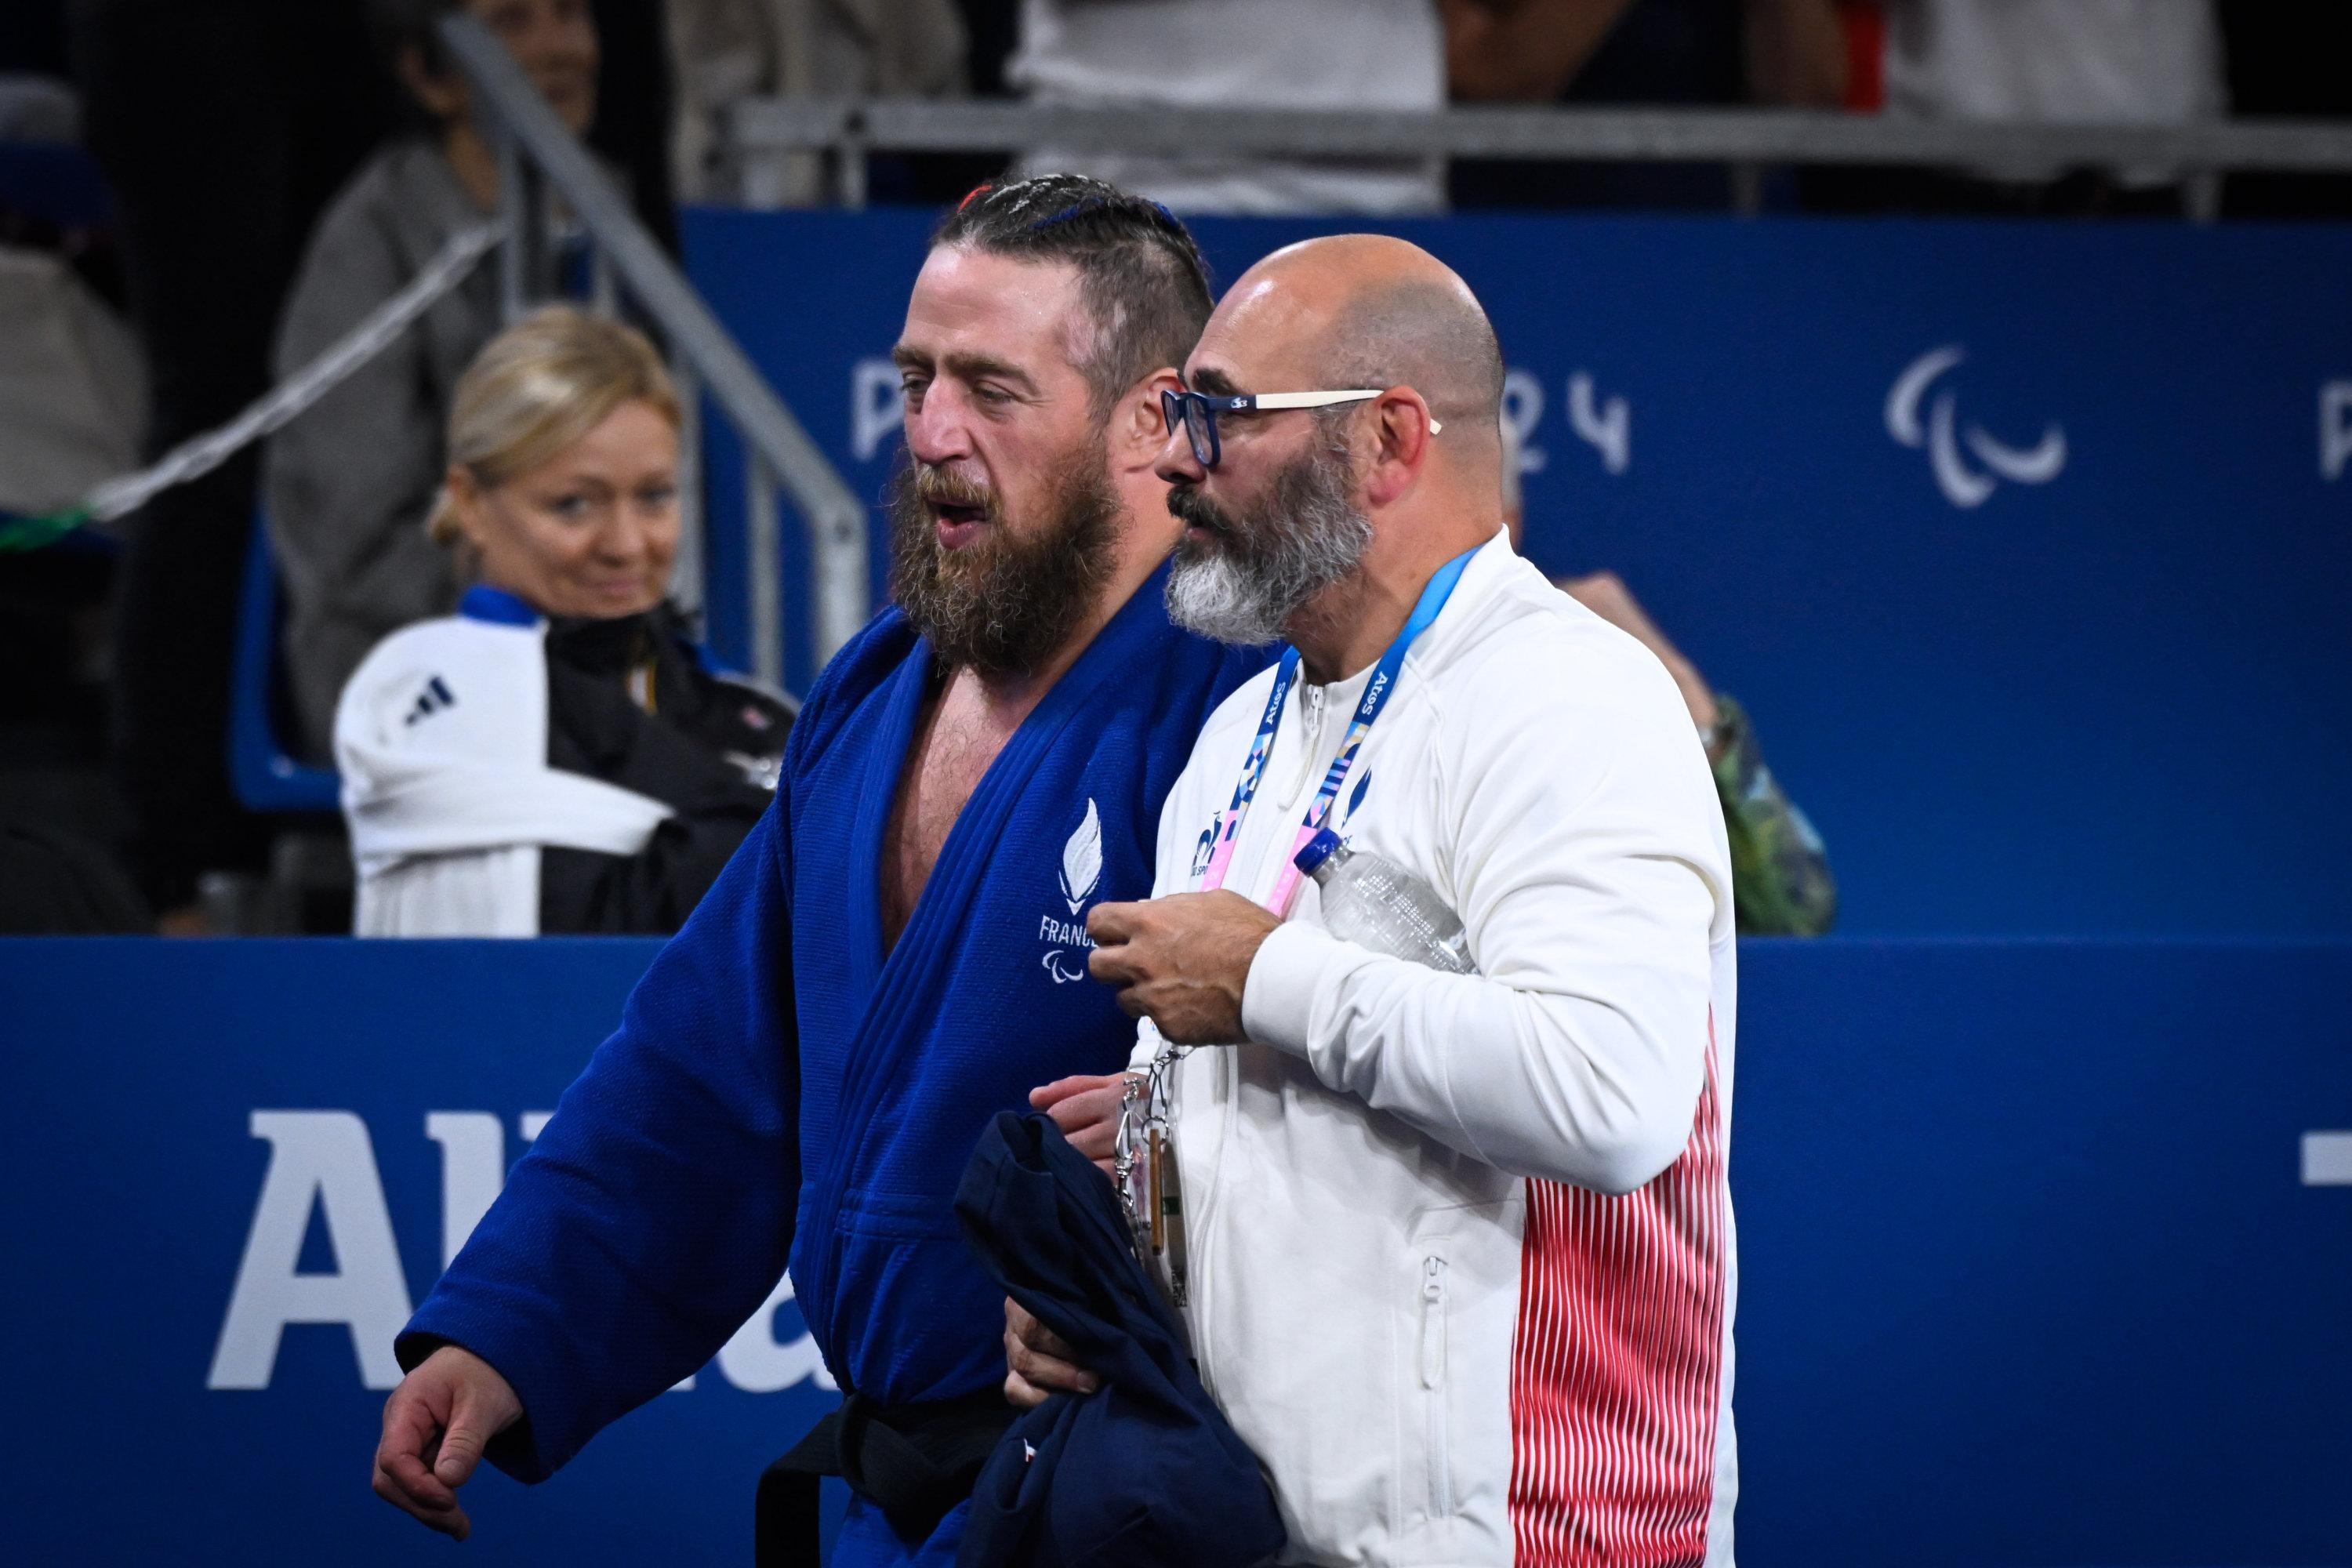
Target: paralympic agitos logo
{"points": [[1951, 444]]}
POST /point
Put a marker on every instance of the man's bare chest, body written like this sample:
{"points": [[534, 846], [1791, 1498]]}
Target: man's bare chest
{"points": [[952, 751]]}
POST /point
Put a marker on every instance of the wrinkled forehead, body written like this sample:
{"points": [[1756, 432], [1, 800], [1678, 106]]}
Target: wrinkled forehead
{"points": [[1264, 337], [967, 301]]}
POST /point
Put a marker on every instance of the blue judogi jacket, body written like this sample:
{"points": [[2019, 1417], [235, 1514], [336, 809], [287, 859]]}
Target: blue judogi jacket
{"points": [[780, 1088]]}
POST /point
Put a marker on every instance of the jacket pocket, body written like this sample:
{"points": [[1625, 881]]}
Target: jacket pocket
{"points": [[1437, 1446]]}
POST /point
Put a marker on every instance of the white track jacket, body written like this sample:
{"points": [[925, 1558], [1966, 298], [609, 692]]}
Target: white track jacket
{"points": [[1461, 1249]]}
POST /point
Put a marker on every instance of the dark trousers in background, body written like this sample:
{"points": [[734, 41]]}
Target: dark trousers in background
{"points": [[223, 127]]}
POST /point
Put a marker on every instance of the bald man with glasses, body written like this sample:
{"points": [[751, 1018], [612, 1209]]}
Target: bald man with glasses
{"points": [[1454, 1251]]}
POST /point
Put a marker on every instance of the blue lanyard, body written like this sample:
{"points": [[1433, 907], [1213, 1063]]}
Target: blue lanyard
{"points": [[1377, 692]]}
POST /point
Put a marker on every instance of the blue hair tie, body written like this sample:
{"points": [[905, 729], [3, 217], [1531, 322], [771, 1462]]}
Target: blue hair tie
{"points": [[1067, 213]]}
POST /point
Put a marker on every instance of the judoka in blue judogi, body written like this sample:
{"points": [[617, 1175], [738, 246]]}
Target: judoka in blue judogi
{"points": [[788, 1084], [700, 1147]]}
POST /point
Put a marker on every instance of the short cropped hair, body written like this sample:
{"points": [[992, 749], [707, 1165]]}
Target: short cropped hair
{"points": [[1140, 276], [537, 388]]}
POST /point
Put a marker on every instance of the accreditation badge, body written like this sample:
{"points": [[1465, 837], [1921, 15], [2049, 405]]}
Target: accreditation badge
{"points": [[1144, 1171]]}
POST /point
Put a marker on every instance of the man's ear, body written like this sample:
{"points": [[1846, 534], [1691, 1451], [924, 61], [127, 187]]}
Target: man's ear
{"points": [[1401, 449], [1138, 428]]}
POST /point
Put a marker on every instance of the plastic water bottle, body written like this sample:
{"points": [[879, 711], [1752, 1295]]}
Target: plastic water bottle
{"points": [[1374, 902]]}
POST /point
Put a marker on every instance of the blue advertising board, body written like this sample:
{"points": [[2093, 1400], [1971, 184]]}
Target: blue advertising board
{"points": [[232, 1167], [2029, 547], [2046, 1253]]}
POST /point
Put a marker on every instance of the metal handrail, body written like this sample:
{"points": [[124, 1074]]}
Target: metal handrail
{"points": [[766, 128], [535, 150]]}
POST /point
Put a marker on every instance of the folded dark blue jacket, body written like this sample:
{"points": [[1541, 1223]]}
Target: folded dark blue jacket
{"points": [[1144, 1472]]}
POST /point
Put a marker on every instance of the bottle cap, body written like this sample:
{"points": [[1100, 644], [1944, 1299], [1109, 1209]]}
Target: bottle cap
{"points": [[1318, 849]]}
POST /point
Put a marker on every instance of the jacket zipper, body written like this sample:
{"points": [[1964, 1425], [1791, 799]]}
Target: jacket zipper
{"points": [[1311, 746], [1432, 1378]]}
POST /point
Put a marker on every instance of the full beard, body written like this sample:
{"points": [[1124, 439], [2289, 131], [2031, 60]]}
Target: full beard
{"points": [[1245, 580], [1005, 605]]}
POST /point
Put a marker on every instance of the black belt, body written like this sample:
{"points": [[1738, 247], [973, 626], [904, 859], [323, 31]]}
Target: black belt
{"points": [[915, 1461]]}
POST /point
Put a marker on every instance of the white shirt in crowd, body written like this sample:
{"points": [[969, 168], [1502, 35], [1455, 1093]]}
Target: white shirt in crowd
{"points": [[2140, 62], [1240, 54]]}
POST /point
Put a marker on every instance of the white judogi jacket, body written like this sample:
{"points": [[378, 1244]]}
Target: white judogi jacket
{"points": [[1461, 1253]]}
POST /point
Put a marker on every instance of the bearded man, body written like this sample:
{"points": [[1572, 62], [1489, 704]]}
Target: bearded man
{"points": [[1454, 1249], [898, 949]]}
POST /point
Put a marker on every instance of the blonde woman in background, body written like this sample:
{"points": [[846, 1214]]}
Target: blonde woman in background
{"points": [[556, 756]]}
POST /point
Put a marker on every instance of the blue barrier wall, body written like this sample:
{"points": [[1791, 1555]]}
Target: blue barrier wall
{"points": [[2029, 1274], [2101, 696], [136, 1075]]}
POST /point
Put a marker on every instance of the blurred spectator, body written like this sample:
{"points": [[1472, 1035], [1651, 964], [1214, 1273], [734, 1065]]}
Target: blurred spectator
{"points": [[1675, 53], [636, 107], [53, 196], [730, 49], [2138, 62], [72, 412], [2287, 61], [1780, 881], [350, 481], [1645, 51], [555, 757], [73, 394], [223, 126], [1240, 54]]}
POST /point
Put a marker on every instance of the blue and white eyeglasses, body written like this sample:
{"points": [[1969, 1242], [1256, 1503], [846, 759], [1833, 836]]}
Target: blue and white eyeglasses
{"points": [[1198, 410]]}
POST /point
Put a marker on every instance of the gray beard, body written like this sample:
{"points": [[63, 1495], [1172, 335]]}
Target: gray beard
{"points": [[1244, 585]]}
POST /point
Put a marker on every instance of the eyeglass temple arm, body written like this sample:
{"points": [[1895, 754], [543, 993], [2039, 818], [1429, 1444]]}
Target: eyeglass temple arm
{"points": [[1326, 399]]}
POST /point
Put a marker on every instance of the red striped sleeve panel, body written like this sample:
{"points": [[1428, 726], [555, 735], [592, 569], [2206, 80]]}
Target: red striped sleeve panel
{"points": [[1617, 1363]]}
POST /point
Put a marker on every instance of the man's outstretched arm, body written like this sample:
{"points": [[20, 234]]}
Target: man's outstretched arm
{"points": [[647, 1222]]}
